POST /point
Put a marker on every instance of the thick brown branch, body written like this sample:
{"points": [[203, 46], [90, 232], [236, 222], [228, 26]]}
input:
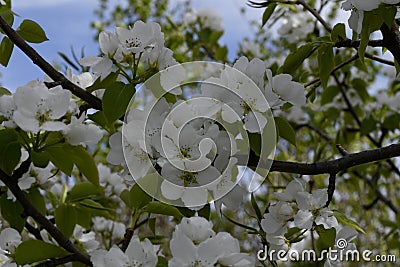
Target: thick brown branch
{"points": [[31, 211], [391, 40], [47, 68], [328, 167], [356, 44]]}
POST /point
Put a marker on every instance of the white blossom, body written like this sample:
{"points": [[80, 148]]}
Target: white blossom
{"points": [[80, 133], [38, 108]]}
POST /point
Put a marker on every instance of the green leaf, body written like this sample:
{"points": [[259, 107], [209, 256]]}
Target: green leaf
{"points": [[361, 87], [255, 143], [285, 130], [105, 83], [164, 209], [37, 200], [60, 159], [372, 21], [65, 216], [81, 191], [4, 91], [84, 216], [392, 122], [91, 204], [32, 251], [116, 99], [10, 150], [5, 7], [295, 59], [326, 237], [343, 219], [100, 119], [136, 198], [221, 53], [39, 158], [31, 32], [368, 125], [152, 225], [268, 13], [7, 14], [205, 212], [328, 94], [11, 211], [162, 262], [256, 208], [326, 63], [338, 32], [6, 48], [84, 162]]}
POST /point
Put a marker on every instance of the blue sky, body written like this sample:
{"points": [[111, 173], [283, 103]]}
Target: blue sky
{"points": [[67, 23]]}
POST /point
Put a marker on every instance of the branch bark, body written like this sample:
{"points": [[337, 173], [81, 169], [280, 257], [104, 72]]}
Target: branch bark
{"points": [[391, 40], [47, 68], [328, 167], [31, 211]]}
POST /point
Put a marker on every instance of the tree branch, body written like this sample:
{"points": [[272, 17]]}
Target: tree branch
{"points": [[391, 40], [47, 68], [58, 262], [327, 167], [31, 211], [356, 44]]}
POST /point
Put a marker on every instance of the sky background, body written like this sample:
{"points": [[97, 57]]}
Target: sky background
{"points": [[67, 23]]}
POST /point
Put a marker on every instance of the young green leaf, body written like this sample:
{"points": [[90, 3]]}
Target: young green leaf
{"points": [[11, 211], [295, 59], [338, 32], [37, 200], [268, 13], [60, 159], [81, 191], [256, 208], [31, 251], [31, 32], [116, 99], [6, 48], [343, 219], [65, 216], [326, 63], [84, 161], [10, 150], [164, 209], [138, 198], [285, 130]]}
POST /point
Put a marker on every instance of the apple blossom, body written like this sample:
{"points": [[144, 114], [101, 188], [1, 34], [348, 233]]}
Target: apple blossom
{"points": [[38, 108], [80, 133], [220, 248]]}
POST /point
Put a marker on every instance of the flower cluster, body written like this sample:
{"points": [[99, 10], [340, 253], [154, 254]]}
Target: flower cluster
{"points": [[138, 253], [190, 142], [194, 243], [143, 43], [295, 204], [34, 108]]}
